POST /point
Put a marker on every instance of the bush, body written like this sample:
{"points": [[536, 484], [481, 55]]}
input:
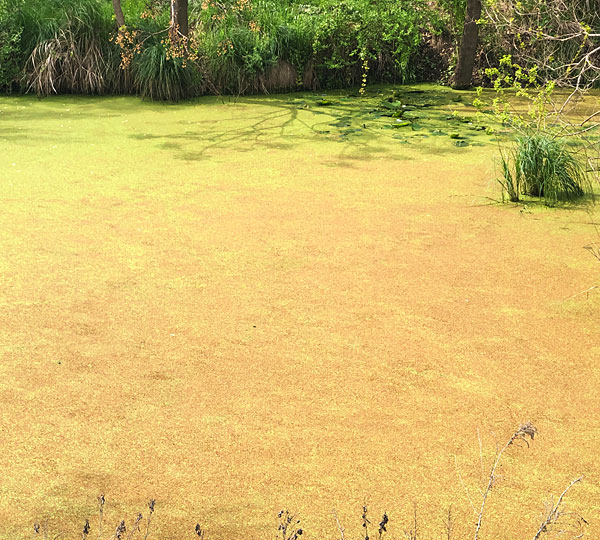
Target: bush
{"points": [[253, 46], [235, 46], [385, 34], [10, 42]]}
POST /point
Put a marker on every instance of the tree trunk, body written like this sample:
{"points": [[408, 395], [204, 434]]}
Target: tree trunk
{"points": [[179, 16], [118, 13], [468, 47]]}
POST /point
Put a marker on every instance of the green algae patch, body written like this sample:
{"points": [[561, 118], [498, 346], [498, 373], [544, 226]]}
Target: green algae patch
{"points": [[205, 303]]}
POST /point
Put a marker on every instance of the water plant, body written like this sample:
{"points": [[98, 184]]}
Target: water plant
{"points": [[549, 154], [544, 167], [549, 169]]}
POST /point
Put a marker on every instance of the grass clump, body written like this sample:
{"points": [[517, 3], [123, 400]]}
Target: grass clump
{"points": [[67, 48], [161, 77], [544, 167]]}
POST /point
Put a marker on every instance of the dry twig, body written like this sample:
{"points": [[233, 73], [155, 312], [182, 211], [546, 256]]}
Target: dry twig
{"points": [[521, 435], [554, 512]]}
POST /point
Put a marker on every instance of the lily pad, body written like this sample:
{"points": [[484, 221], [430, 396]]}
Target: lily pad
{"points": [[391, 105]]}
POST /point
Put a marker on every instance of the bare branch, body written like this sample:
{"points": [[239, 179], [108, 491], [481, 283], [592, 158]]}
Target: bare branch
{"points": [[555, 512], [339, 525], [524, 431]]}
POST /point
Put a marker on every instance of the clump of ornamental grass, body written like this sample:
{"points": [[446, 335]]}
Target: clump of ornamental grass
{"points": [[544, 167], [159, 76], [69, 51]]}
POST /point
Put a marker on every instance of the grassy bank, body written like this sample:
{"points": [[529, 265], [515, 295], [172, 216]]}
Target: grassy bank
{"points": [[235, 47]]}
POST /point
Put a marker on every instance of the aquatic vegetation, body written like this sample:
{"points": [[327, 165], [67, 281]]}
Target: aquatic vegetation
{"points": [[328, 267], [543, 167]]}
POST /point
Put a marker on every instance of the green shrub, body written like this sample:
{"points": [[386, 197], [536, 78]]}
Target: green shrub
{"points": [[10, 42], [235, 46], [253, 46], [384, 33]]}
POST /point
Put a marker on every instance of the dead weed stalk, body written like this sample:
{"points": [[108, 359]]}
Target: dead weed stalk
{"points": [[555, 518], [289, 526], [525, 431], [555, 514]]}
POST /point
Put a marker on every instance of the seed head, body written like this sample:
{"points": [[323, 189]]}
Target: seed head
{"points": [[120, 530]]}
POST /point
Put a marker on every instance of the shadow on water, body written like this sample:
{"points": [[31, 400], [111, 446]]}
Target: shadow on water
{"points": [[421, 117], [361, 125]]}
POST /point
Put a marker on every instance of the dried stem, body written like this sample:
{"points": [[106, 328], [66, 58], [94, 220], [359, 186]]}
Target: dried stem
{"points": [[555, 512], [101, 502], [413, 534], [135, 527], [339, 525], [365, 521], [448, 524], [151, 503], [524, 431]]}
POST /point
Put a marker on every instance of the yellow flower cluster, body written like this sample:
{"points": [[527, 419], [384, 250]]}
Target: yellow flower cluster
{"points": [[181, 47], [242, 5], [127, 41], [150, 12], [225, 47], [365, 72]]}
